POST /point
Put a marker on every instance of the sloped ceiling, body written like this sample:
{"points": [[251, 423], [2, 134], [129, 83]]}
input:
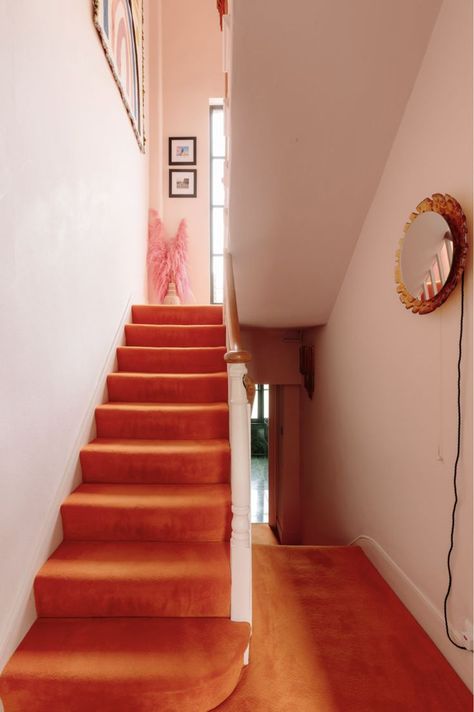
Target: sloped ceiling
{"points": [[318, 91]]}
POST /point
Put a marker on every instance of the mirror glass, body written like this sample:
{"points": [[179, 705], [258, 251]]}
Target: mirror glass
{"points": [[427, 255], [432, 252]]}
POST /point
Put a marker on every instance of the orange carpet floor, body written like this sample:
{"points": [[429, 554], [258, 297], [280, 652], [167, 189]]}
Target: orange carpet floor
{"points": [[329, 635], [134, 604]]}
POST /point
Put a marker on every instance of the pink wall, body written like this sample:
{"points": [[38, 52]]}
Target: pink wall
{"points": [[155, 101], [73, 204], [385, 399], [288, 508], [191, 70], [275, 355]]}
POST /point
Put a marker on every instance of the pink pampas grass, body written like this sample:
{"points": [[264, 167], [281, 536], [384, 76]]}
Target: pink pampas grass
{"points": [[166, 261], [179, 256], [157, 259]]}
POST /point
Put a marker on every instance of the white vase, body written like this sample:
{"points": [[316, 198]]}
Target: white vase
{"points": [[171, 296]]}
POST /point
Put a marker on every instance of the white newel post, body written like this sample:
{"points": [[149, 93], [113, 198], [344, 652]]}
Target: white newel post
{"points": [[241, 540]]}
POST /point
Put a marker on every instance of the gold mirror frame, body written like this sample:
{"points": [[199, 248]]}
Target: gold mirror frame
{"points": [[452, 212]]}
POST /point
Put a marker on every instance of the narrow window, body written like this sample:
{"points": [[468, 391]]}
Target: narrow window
{"points": [[217, 158]]}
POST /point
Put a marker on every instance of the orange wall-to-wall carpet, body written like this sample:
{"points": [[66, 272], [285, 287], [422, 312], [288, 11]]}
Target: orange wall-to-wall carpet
{"points": [[329, 635]]}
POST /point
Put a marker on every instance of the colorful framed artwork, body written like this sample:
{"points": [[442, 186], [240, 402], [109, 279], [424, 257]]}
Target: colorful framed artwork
{"points": [[182, 183], [182, 151], [222, 10], [120, 27]]}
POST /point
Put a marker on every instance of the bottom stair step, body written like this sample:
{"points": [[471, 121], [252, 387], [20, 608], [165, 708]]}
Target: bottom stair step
{"points": [[120, 665]]}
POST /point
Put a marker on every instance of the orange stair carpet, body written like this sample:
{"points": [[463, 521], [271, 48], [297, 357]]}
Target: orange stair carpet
{"points": [[134, 605]]}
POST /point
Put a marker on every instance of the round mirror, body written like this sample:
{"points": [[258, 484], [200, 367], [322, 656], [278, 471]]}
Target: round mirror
{"points": [[432, 253]]}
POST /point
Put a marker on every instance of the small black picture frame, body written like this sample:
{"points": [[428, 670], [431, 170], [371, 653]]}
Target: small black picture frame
{"points": [[182, 183], [182, 150]]}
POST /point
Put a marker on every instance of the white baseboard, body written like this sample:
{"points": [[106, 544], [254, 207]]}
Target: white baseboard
{"points": [[23, 612], [420, 606]]}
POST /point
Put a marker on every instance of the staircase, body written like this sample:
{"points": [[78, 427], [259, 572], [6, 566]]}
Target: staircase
{"points": [[133, 607]]}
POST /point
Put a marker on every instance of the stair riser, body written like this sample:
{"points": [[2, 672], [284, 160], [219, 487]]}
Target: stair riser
{"points": [[150, 468], [211, 524], [158, 314], [95, 597], [151, 360], [174, 336], [130, 389], [160, 425]]}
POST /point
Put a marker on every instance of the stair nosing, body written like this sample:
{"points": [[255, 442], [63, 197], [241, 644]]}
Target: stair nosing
{"points": [[163, 404]]}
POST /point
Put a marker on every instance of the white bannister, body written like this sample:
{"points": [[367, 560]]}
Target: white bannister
{"points": [[241, 392], [241, 539]]}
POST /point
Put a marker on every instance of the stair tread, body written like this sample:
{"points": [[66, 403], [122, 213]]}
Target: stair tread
{"points": [[175, 334], [136, 559], [156, 461], [107, 661], [167, 387], [178, 327], [129, 419], [149, 496], [148, 512], [189, 376], [95, 578], [174, 349], [171, 407], [145, 446], [172, 314], [172, 359]]}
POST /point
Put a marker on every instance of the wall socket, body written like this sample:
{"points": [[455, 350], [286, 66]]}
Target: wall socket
{"points": [[467, 634]]}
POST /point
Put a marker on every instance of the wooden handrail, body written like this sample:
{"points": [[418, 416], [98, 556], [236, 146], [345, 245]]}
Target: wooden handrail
{"points": [[235, 352]]}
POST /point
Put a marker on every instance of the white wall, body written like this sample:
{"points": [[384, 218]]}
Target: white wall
{"points": [[191, 66], [73, 203], [318, 91], [385, 398]]}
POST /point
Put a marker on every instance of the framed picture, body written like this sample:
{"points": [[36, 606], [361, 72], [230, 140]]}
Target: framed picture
{"points": [[182, 151], [183, 183], [120, 27]]}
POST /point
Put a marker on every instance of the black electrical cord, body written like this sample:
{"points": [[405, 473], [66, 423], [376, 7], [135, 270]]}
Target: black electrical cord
{"points": [[455, 477]]}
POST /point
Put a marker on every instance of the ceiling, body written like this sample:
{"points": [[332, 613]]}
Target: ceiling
{"points": [[318, 91]]}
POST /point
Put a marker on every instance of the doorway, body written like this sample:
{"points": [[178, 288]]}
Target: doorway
{"points": [[259, 429]]}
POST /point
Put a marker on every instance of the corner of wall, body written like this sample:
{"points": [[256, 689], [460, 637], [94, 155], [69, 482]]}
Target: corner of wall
{"points": [[419, 605]]}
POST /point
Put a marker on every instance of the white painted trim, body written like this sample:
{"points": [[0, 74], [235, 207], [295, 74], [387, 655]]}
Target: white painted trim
{"points": [[241, 537], [419, 604], [227, 43], [23, 613]]}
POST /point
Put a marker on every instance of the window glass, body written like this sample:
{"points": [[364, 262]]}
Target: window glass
{"points": [[217, 132], [218, 230], [266, 402], [217, 159], [217, 187], [218, 278]]}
